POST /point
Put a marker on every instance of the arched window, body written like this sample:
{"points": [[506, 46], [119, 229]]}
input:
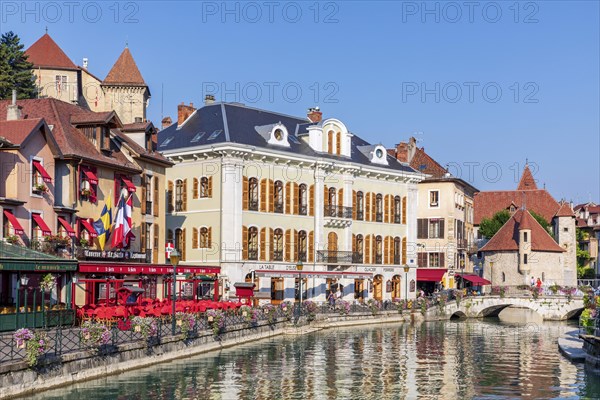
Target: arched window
{"points": [[379, 208], [503, 277], [278, 197], [278, 245], [360, 206], [302, 200], [331, 196], [397, 250], [253, 243], [178, 195], [359, 247], [302, 246], [378, 249], [253, 194], [330, 142], [204, 187], [397, 209]]}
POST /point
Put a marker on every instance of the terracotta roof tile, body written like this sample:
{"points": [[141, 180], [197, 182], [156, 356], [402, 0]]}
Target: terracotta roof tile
{"points": [[564, 210], [17, 131], [527, 182], [486, 204], [46, 53], [125, 71], [422, 162], [136, 126], [89, 117], [152, 155], [581, 222], [507, 238]]}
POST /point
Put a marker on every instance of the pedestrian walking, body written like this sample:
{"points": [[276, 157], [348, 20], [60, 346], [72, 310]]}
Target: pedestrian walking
{"points": [[532, 282], [539, 283]]}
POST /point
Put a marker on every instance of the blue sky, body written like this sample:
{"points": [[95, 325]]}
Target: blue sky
{"points": [[482, 87]]}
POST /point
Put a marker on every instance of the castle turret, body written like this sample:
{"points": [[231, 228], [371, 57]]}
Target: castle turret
{"points": [[525, 240], [564, 223]]}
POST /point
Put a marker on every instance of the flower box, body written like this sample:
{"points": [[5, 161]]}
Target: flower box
{"points": [[21, 345], [179, 323], [210, 318], [245, 314], [137, 328]]}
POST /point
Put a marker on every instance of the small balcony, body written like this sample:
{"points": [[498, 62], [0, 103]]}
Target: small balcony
{"points": [[303, 209], [378, 217], [337, 216], [378, 259], [339, 257], [302, 256], [397, 219], [397, 259], [279, 208], [277, 255], [253, 205], [253, 254]]}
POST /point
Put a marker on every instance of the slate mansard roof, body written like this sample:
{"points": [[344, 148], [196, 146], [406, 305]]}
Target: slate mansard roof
{"points": [[220, 123]]}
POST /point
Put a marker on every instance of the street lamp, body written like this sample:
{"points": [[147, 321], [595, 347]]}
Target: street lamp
{"points": [[299, 267], [174, 258], [406, 269]]}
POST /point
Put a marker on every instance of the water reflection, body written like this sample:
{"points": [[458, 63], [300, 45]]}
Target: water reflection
{"points": [[458, 360]]}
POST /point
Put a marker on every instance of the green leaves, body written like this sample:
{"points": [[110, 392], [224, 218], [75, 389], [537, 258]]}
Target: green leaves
{"points": [[15, 71]]}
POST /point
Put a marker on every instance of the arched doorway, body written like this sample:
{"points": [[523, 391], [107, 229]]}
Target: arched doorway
{"points": [[396, 285], [378, 287], [332, 246], [359, 290]]}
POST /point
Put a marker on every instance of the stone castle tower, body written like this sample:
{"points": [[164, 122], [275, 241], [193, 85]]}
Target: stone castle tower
{"points": [[564, 224]]}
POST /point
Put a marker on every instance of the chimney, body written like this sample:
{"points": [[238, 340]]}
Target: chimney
{"points": [[85, 63], [314, 114], [209, 99], [166, 122], [13, 111], [183, 112], [412, 148]]}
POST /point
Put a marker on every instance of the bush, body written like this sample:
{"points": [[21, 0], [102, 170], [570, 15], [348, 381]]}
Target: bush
{"points": [[94, 334]]}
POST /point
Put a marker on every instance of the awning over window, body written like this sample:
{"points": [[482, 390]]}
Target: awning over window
{"points": [[91, 177], [41, 224], [430, 274], [146, 269], [88, 227], [42, 171], [129, 184], [269, 273], [14, 222], [475, 279], [67, 226]]}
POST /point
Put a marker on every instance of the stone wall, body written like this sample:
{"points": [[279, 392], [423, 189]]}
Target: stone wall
{"points": [[591, 346]]}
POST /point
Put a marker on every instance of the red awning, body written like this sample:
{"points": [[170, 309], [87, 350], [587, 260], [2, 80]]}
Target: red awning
{"points": [[67, 226], [42, 171], [41, 224], [475, 279], [130, 186], [14, 222], [88, 227], [269, 273], [430, 274], [152, 269], [91, 177]]}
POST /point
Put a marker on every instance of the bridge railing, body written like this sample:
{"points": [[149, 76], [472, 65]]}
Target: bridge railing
{"points": [[554, 291]]}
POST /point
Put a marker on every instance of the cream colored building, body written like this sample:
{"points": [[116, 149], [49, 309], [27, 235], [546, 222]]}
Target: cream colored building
{"points": [[256, 192]]}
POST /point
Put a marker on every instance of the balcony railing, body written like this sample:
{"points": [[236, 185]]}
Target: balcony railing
{"points": [[302, 256], [278, 255], [462, 244], [253, 205], [378, 259], [378, 217], [397, 259], [148, 207], [360, 215], [252, 254], [339, 257], [397, 219], [303, 210], [338, 211], [279, 208]]}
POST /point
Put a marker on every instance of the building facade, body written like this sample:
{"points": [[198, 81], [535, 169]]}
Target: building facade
{"points": [[260, 193], [588, 223]]}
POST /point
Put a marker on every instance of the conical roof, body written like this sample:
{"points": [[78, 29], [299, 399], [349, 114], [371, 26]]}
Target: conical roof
{"points": [[45, 53], [125, 71], [527, 182]]}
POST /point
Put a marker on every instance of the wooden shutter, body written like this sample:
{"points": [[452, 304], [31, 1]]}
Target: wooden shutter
{"points": [[354, 204], [263, 244], [311, 200], [263, 195], [422, 260], [170, 197], [210, 182], [183, 246], [311, 246], [195, 244], [442, 228], [404, 251], [143, 196], [244, 242], [367, 249], [245, 192], [353, 243], [209, 239], [156, 250], [392, 209], [288, 198], [296, 199], [296, 243], [338, 143], [330, 142], [442, 258], [143, 237], [368, 206], [271, 244], [184, 207], [404, 210], [271, 205], [155, 198], [325, 196], [340, 197], [391, 253], [195, 188], [422, 231], [373, 207], [288, 244]]}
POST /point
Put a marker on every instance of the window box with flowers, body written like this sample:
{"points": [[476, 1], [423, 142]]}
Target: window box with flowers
{"points": [[58, 241], [13, 239], [40, 188]]}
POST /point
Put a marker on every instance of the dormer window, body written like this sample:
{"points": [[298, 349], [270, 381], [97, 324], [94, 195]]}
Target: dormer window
{"points": [[379, 153], [278, 134], [104, 138]]}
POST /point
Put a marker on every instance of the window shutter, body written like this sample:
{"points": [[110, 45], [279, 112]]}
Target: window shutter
{"points": [[183, 247], [386, 209], [195, 189], [296, 242], [340, 197], [354, 204], [404, 210], [263, 243], [210, 182], [330, 142], [422, 260], [209, 240], [422, 228], [338, 143], [296, 199], [373, 206], [170, 197], [368, 207], [374, 247], [442, 257], [245, 192], [155, 198], [388, 250], [442, 228], [393, 209], [325, 196], [244, 242], [288, 198], [184, 195], [263, 195], [390, 210], [367, 249], [311, 246], [404, 251], [311, 200], [156, 250], [271, 244], [288, 244], [195, 244], [271, 204], [143, 197], [143, 237], [353, 243]]}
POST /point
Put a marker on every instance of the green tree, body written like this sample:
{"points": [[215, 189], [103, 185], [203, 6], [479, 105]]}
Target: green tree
{"points": [[541, 220], [583, 258], [15, 71], [489, 226]]}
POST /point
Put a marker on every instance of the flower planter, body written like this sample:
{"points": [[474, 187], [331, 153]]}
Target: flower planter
{"points": [[21, 345], [210, 318], [179, 323], [137, 328], [244, 314], [86, 336]]}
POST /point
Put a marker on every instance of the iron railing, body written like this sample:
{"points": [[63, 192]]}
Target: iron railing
{"points": [[333, 211], [339, 257], [253, 205]]}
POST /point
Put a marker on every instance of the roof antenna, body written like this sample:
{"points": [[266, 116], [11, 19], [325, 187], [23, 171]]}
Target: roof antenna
{"points": [[46, 29], [126, 41]]}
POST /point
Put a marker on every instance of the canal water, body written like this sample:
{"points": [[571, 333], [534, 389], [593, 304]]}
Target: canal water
{"points": [[514, 357]]}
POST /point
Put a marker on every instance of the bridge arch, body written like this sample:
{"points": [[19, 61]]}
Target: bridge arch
{"points": [[458, 315], [574, 313], [493, 311]]}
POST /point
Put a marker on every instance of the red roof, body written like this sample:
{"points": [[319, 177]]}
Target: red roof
{"points": [[46, 53], [422, 162], [18, 130], [527, 182], [125, 71], [565, 210], [486, 204], [507, 238]]}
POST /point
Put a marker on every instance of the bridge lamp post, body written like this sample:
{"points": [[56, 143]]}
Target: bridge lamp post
{"points": [[406, 269], [174, 258]]}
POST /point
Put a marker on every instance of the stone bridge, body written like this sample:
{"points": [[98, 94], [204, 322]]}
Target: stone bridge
{"points": [[555, 308]]}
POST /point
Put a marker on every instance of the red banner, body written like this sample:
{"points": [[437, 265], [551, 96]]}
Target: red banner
{"points": [[144, 269]]}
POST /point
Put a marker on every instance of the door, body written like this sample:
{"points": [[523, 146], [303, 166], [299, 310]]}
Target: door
{"points": [[332, 246], [276, 290], [396, 285], [378, 288], [359, 290]]}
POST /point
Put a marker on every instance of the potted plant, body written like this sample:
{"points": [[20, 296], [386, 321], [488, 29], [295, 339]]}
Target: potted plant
{"points": [[84, 243], [217, 320], [147, 326], [12, 239], [286, 309], [343, 307], [270, 312], [35, 344], [94, 334], [186, 322], [86, 192], [48, 282], [311, 309], [21, 336], [40, 187]]}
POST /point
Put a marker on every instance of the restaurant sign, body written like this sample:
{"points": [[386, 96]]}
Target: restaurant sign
{"points": [[114, 255], [34, 266]]}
